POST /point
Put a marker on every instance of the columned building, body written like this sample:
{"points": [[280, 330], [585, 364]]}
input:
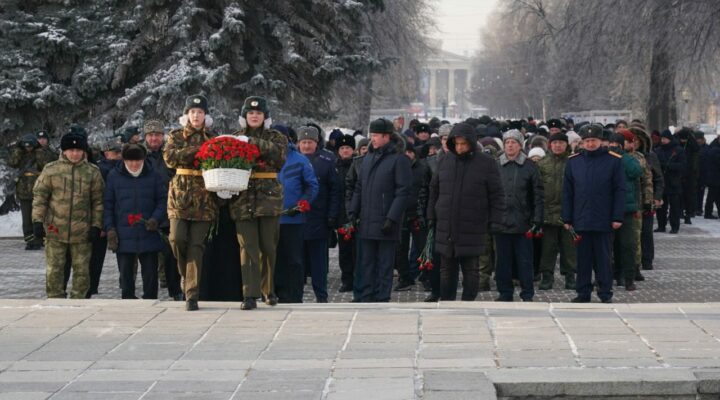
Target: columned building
{"points": [[446, 83]]}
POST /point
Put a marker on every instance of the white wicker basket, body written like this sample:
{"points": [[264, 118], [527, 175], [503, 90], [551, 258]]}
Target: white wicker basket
{"points": [[226, 182]]}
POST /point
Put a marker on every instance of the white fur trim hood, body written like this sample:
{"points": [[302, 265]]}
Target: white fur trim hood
{"points": [[184, 120]]}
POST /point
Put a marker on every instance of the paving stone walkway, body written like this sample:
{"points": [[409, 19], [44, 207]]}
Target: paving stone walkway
{"points": [[687, 269], [114, 349]]}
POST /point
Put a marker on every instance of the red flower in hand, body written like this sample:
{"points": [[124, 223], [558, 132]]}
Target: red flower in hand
{"points": [[134, 218], [303, 206]]}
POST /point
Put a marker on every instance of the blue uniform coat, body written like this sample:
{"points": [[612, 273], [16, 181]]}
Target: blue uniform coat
{"points": [[593, 191]]}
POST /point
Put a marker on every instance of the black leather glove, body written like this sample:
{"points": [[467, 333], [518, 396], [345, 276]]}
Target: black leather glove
{"points": [[94, 235], [292, 212], [647, 207], [38, 230], [387, 227], [431, 224], [332, 223], [151, 225]]}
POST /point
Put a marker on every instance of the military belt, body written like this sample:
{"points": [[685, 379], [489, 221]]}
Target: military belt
{"points": [[264, 175], [30, 174], [186, 171]]}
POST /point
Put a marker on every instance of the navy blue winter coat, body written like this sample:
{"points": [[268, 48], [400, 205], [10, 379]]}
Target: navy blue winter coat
{"points": [[326, 205], [381, 191], [711, 169], [593, 191], [125, 195], [298, 182], [106, 166]]}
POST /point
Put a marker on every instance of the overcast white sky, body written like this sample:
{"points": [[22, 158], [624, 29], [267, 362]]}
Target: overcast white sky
{"points": [[459, 23]]}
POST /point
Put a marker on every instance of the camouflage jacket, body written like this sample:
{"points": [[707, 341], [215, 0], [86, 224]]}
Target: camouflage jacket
{"points": [[263, 197], [187, 197], [30, 164], [646, 183], [552, 172], [68, 199]]}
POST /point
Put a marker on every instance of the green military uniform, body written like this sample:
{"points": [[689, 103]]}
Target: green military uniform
{"points": [[191, 208], [556, 239], [30, 164], [645, 200], [68, 200], [256, 212]]}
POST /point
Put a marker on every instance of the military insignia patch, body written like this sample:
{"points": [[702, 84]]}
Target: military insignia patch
{"points": [[196, 101], [254, 104]]}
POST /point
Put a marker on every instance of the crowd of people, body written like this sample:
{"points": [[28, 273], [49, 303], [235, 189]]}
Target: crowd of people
{"points": [[491, 199]]}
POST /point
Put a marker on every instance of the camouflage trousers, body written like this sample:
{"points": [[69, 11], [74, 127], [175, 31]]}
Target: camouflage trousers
{"points": [[187, 239], [55, 254]]}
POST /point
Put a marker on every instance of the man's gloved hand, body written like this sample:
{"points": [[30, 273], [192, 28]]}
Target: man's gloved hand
{"points": [[112, 240], [38, 231], [94, 235], [387, 227], [292, 212], [431, 224], [151, 225], [332, 223], [647, 208]]}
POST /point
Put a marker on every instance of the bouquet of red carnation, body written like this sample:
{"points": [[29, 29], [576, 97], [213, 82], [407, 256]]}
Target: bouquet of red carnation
{"points": [[226, 152], [535, 232], [301, 207], [426, 257], [347, 231], [138, 218], [226, 162]]}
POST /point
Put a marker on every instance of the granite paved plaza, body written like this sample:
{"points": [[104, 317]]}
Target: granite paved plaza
{"points": [[114, 349], [687, 269]]}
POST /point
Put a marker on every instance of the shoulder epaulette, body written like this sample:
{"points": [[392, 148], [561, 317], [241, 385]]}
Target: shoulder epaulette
{"points": [[573, 155], [614, 154]]}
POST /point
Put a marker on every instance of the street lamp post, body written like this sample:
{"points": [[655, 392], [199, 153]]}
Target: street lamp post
{"points": [[685, 94]]}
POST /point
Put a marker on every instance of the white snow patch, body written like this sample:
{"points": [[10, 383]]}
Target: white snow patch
{"points": [[11, 224]]}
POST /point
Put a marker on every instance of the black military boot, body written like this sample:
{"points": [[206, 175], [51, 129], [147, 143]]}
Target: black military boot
{"points": [[271, 300], [191, 305], [248, 304], [547, 281], [688, 221], [570, 281], [579, 299]]}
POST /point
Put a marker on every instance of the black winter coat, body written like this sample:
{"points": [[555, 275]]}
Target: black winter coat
{"points": [[351, 179], [712, 164], [418, 193], [523, 190], [673, 164], [326, 204], [466, 196], [343, 167], [381, 191]]}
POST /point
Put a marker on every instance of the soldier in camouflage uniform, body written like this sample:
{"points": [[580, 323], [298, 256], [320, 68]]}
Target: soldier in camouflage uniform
{"points": [[44, 140], [645, 198], [68, 205], [256, 211], [191, 209], [29, 158], [556, 238]]}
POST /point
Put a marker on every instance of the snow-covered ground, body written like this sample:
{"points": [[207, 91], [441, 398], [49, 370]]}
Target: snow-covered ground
{"points": [[11, 224]]}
